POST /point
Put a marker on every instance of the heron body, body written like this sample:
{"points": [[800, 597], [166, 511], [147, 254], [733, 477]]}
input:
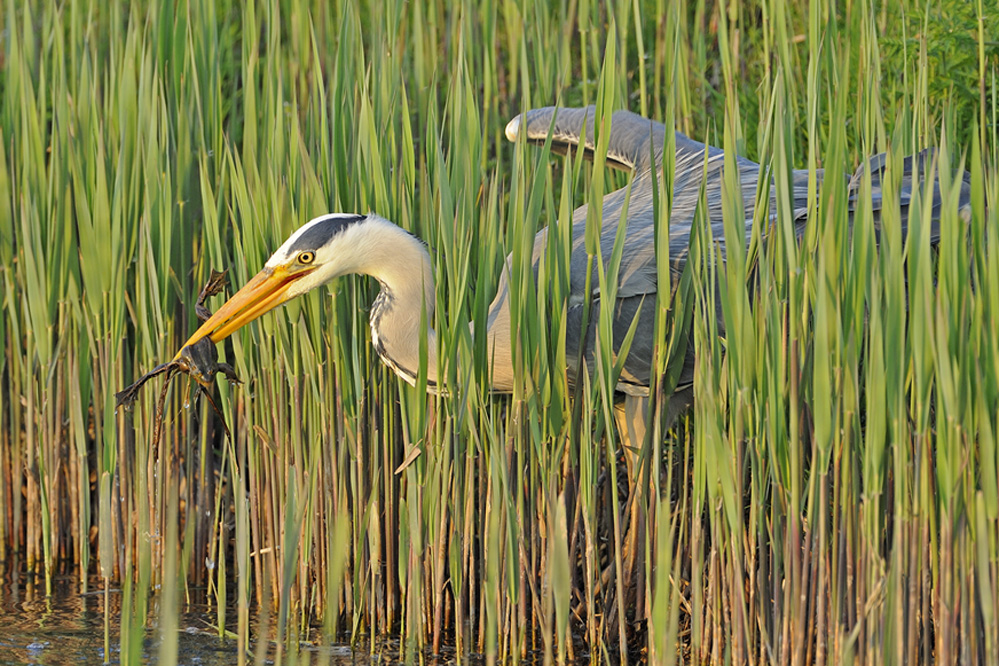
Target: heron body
{"points": [[338, 244]]}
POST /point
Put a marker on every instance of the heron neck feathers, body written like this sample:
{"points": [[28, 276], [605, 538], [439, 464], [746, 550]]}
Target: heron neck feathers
{"points": [[404, 308]]}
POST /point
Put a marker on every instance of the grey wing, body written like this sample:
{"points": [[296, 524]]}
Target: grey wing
{"points": [[637, 283], [636, 292], [628, 147], [636, 143], [633, 143], [915, 171], [698, 168]]}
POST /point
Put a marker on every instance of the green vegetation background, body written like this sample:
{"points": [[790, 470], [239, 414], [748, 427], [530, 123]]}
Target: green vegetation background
{"points": [[143, 143]]}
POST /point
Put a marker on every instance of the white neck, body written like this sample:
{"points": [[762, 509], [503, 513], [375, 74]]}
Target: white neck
{"points": [[405, 306]]}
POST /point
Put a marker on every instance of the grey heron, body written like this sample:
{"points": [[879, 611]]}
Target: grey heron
{"points": [[337, 244]]}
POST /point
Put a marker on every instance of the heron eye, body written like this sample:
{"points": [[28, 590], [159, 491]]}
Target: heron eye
{"points": [[306, 258]]}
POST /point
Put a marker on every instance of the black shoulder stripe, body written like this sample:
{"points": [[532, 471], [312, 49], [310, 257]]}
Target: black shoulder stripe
{"points": [[323, 231]]}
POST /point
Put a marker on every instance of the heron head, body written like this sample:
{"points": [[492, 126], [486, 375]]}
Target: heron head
{"points": [[322, 249]]}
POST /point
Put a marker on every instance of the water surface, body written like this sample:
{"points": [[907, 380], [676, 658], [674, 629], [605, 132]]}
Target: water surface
{"points": [[68, 628]]}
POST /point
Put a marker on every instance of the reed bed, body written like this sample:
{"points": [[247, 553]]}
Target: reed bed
{"points": [[832, 497]]}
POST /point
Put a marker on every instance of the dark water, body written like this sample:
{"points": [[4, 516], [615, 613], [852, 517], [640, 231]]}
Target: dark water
{"points": [[67, 628]]}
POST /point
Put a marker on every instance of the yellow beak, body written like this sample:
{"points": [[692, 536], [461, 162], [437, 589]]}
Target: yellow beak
{"points": [[263, 293]]}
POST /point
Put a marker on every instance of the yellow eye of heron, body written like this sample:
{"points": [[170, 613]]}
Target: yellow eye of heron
{"points": [[306, 258]]}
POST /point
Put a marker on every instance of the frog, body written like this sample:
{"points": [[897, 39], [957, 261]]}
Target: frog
{"points": [[199, 361]]}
